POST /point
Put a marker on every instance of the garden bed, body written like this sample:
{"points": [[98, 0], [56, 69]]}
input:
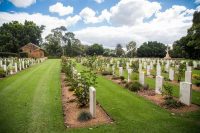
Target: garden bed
{"points": [[71, 110], [159, 99]]}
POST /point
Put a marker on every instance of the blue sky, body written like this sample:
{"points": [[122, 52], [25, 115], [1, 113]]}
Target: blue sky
{"points": [[107, 21]]}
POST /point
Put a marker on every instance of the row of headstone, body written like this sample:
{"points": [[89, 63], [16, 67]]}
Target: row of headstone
{"points": [[12, 65]]}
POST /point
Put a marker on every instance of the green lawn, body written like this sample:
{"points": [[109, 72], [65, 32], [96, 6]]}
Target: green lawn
{"points": [[30, 102]]}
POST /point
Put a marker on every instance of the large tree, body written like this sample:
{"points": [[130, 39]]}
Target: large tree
{"points": [[131, 49], [189, 45], [95, 49], [119, 50], [14, 35], [60, 42], [151, 49]]}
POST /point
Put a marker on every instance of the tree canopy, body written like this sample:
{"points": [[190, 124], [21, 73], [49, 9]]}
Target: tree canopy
{"points": [[189, 45], [95, 49], [14, 35], [131, 49], [60, 42], [151, 49], [119, 51]]}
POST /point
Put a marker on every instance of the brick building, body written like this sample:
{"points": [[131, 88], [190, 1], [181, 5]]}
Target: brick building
{"points": [[33, 50]]}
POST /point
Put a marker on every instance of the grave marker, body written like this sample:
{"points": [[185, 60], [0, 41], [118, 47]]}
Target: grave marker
{"points": [[185, 92], [159, 84], [92, 101]]}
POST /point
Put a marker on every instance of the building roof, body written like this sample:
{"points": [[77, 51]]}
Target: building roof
{"points": [[32, 45]]}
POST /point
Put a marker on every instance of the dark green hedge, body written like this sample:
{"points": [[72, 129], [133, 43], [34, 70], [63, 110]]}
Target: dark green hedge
{"points": [[23, 55], [8, 54]]}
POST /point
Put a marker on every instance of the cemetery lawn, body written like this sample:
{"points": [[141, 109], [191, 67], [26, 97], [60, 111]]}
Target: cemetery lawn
{"points": [[30, 101], [151, 83]]}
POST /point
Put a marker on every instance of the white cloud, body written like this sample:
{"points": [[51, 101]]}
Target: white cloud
{"points": [[166, 27], [99, 1], [89, 15], [197, 1], [60, 9], [125, 12], [39, 19], [22, 3], [129, 12], [198, 8]]}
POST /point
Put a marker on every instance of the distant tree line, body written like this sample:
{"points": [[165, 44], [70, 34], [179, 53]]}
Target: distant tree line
{"points": [[60, 42]]}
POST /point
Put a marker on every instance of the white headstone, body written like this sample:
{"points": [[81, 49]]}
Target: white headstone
{"points": [[127, 65], [5, 68], [20, 66], [151, 65], [113, 70], [129, 74], [159, 84], [16, 67], [92, 101], [1, 62], [108, 66], [117, 63], [185, 93], [120, 71], [11, 72], [148, 70], [188, 76], [171, 74], [158, 70], [194, 64], [141, 77], [140, 67], [189, 68]]}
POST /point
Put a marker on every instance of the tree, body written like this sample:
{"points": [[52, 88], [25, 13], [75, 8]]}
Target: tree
{"points": [[63, 43], [131, 49], [189, 45], [151, 49], [119, 50], [95, 49], [14, 35], [52, 45]]}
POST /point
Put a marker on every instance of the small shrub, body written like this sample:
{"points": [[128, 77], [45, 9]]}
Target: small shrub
{"points": [[115, 77], [104, 73], [23, 55], [190, 63], [84, 116], [196, 76], [172, 103], [71, 89], [168, 90], [124, 81], [146, 87], [128, 84], [122, 78], [2, 73], [135, 86], [197, 83], [166, 79]]}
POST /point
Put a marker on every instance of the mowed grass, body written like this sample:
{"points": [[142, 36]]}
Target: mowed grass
{"points": [[30, 101]]}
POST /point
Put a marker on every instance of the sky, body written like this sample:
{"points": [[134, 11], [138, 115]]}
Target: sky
{"points": [[107, 22]]}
